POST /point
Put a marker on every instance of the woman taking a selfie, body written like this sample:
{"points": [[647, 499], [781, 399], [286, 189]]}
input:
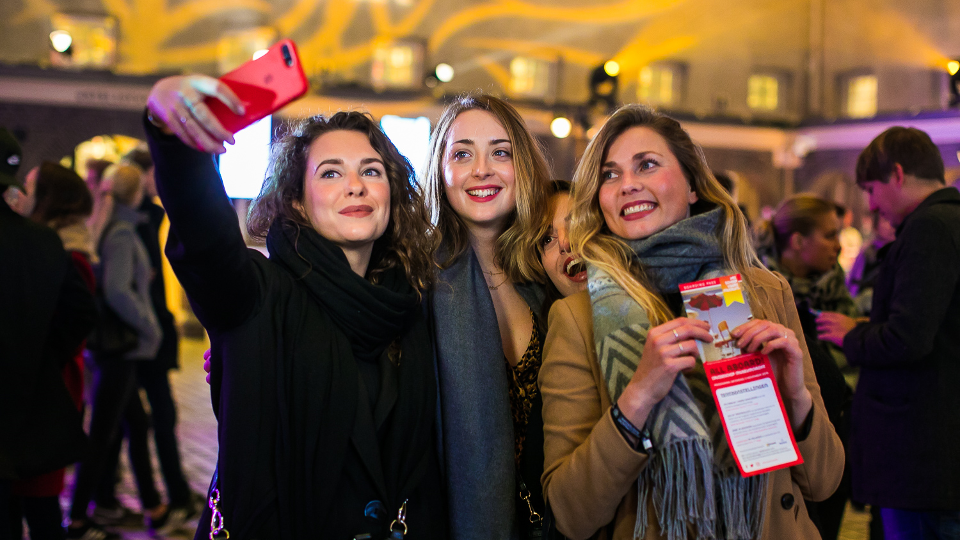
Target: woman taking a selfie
{"points": [[486, 183], [324, 386], [647, 216]]}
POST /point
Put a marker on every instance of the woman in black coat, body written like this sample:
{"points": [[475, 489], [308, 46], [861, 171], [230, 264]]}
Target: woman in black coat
{"points": [[324, 386]]}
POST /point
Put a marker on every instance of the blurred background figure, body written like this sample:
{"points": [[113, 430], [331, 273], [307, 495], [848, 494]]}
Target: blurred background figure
{"points": [[863, 275], [102, 196], [125, 274], [62, 202], [21, 198], [47, 311], [153, 378], [805, 236]]}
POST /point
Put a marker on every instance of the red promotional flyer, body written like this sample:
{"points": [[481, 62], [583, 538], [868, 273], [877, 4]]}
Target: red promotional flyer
{"points": [[753, 416], [743, 385]]}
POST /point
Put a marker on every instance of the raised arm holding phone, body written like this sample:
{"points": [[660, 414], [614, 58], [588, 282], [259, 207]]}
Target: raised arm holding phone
{"points": [[322, 379]]}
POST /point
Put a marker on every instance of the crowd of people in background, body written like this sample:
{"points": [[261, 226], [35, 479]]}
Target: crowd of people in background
{"points": [[109, 224], [493, 355]]}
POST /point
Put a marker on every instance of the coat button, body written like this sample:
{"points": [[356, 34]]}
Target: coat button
{"points": [[375, 510], [786, 501]]}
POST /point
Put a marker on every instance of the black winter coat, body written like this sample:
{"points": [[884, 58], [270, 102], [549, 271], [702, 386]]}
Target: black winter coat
{"points": [[46, 310], [262, 320], [905, 440]]}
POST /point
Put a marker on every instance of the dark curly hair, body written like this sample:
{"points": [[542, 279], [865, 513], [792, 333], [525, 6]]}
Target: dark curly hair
{"points": [[409, 241]]}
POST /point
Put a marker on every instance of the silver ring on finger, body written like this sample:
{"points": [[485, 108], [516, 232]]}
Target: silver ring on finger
{"points": [[191, 106], [675, 334]]}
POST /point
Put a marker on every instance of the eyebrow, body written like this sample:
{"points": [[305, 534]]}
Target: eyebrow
{"points": [[470, 141], [338, 161], [636, 157]]}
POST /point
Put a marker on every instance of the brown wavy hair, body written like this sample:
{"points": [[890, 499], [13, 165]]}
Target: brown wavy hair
{"points": [[800, 213], [63, 198], [409, 241], [516, 249], [592, 239]]}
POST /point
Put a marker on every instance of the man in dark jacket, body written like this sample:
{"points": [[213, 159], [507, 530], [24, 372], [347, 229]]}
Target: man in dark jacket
{"points": [[905, 441], [46, 310]]}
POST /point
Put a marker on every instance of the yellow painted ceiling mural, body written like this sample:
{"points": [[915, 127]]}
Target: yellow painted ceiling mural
{"points": [[338, 39]]}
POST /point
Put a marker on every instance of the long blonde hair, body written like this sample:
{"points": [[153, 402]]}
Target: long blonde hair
{"points": [[516, 249], [590, 236]]}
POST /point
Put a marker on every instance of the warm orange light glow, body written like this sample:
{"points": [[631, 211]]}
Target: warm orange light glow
{"points": [[953, 67], [61, 40], [612, 68], [560, 127]]}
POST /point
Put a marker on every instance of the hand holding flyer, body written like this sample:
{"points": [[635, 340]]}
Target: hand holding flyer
{"points": [[723, 303], [743, 385]]}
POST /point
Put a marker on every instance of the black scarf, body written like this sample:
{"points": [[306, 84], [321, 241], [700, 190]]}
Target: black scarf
{"points": [[320, 398]]}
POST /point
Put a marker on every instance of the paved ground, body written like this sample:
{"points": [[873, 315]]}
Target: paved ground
{"points": [[197, 430], [198, 444]]}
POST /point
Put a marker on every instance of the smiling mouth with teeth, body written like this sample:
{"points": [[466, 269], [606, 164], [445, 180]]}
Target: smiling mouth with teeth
{"points": [[483, 192], [574, 267], [642, 207]]}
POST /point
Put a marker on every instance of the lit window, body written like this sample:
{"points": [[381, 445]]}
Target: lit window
{"points": [[411, 137], [530, 77], [763, 92], [397, 65], [93, 40], [658, 85], [861, 96]]}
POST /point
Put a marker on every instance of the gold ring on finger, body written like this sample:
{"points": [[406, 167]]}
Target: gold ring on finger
{"points": [[681, 347], [675, 334]]}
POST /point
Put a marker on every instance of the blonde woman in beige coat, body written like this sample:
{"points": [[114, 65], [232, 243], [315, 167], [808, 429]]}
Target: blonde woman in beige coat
{"points": [[648, 215]]}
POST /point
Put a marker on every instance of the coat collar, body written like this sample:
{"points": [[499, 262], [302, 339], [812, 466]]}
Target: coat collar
{"points": [[947, 194]]}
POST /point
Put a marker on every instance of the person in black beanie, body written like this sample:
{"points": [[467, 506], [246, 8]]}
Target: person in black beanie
{"points": [[47, 311]]}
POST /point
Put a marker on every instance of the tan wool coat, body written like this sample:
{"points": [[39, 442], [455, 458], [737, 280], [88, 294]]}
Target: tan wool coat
{"points": [[590, 472]]}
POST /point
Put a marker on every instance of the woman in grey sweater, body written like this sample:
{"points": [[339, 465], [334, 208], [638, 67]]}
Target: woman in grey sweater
{"points": [[125, 275]]}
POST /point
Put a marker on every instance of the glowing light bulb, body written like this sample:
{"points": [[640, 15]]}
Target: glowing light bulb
{"points": [[444, 72], [953, 67], [60, 40], [560, 127], [611, 68]]}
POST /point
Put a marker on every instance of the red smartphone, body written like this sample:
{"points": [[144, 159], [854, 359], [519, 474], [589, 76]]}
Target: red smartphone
{"points": [[264, 86]]}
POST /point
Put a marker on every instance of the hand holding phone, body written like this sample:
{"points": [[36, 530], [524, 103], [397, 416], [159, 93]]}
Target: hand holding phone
{"points": [[204, 112], [263, 85]]}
